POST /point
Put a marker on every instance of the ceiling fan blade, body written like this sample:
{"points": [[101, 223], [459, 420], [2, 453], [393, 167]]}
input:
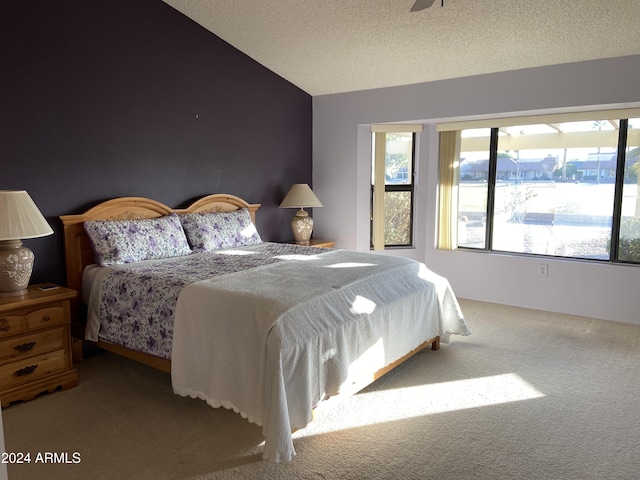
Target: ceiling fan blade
{"points": [[421, 5]]}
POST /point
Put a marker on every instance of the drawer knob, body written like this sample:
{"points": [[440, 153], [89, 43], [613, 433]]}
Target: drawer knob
{"points": [[25, 347], [46, 318], [4, 325], [25, 371]]}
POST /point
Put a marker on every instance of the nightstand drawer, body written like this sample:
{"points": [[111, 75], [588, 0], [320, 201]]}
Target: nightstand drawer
{"points": [[11, 324], [45, 317], [31, 320], [12, 349], [29, 369]]}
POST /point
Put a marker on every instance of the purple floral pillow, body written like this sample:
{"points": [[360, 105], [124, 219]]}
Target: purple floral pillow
{"points": [[125, 241], [213, 231]]}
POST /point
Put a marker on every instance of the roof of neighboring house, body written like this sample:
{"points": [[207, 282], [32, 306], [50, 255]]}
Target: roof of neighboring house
{"points": [[595, 161], [508, 164]]}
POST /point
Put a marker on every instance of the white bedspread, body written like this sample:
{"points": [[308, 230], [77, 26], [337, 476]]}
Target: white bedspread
{"points": [[273, 341]]}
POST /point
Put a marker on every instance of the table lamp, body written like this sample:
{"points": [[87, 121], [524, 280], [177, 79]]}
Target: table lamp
{"points": [[19, 219], [301, 196]]}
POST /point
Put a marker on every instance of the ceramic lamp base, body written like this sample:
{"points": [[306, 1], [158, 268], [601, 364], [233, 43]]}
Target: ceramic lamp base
{"points": [[302, 227], [16, 265]]}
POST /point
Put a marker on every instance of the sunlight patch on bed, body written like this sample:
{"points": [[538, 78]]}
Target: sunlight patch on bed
{"points": [[295, 256], [351, 265], [362, 305], [417, 401], [425, 273]]}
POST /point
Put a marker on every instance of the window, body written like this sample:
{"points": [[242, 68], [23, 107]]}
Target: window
{"points": [[563, 186], [473, 189], [393, 172], [629, 234]]}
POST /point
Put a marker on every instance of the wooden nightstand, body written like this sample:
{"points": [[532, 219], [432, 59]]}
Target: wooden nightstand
{"points": [[314, 242], [35, 353]]}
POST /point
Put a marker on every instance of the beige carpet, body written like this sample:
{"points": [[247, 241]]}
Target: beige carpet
{"points": [[529, 395]]}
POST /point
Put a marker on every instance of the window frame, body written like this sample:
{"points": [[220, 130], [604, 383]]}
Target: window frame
{"points": [[377, 202]]}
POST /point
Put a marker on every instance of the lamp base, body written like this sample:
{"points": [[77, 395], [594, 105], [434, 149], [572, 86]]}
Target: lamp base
{"points": [[302, 227], [16, 265]]}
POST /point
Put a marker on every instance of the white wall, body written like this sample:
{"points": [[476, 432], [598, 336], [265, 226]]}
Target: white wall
{"points": [[341, 176]]}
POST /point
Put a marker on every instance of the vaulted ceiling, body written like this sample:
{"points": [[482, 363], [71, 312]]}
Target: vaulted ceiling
{"points": [[332, 46]]}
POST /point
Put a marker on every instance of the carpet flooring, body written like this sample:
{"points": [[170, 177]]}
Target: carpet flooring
{"points": [[529, 395]]}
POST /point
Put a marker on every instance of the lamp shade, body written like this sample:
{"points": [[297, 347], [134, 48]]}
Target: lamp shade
{"points": [[300, 196], [20, 217]]}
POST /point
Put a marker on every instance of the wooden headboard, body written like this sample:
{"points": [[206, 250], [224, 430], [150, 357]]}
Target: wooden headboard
{"points": [[78, 250]]}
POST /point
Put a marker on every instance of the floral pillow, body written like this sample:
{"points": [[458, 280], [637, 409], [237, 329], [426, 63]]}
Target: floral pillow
{"points": [[212, 231], [125, 241]]}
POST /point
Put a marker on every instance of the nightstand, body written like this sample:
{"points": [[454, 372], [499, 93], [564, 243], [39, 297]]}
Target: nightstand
{"points": [[35, 352], [314, 242]]}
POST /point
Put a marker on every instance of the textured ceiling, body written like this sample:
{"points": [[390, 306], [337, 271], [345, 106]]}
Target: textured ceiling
{"points": [[331, 46]]}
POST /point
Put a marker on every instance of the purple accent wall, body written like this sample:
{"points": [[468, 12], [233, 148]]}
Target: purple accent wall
{"points": [[111, 98]]}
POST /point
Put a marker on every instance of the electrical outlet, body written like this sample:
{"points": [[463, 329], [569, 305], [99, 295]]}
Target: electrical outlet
{"points": [[543, 270]]}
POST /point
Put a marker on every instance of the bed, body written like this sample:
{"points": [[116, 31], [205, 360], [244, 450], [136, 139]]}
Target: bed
{"points": [[269, 330]]}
